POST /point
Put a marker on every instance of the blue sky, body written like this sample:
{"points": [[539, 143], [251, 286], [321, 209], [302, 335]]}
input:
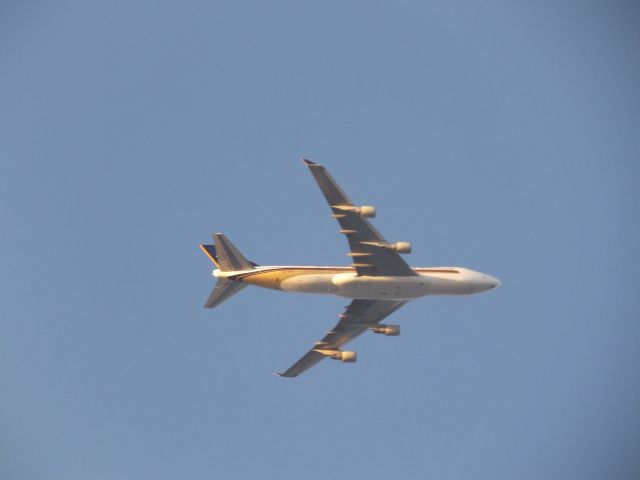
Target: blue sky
{"points": [[500, 136]]}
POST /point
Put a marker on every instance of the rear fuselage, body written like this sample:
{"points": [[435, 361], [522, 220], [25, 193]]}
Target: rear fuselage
{"points": [[345, 282]]}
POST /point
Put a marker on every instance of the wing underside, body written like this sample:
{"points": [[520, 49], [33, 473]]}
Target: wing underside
{"points": [[370, 251], [358, 317]]}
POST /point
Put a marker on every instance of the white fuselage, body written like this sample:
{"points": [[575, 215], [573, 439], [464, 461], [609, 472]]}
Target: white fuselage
{"points": [[346, 283]]}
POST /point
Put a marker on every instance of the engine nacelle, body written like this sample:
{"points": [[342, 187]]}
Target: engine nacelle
{"points": [[365, 211], [347, 356], [400, 247], [390, 330]]}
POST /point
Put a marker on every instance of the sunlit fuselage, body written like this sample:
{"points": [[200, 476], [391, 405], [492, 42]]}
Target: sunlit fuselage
{"points": [[344, 281]]}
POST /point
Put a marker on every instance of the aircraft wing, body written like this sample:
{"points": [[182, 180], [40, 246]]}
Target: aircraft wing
{"points": [[370, 251], [358, 317]]}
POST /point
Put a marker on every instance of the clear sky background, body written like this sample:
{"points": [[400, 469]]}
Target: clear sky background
{"points": [[501, 136]]}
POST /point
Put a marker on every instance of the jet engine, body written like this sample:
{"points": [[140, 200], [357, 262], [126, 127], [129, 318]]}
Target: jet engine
{"points": [[400, 247], [344, 356], [390, 330], [365, 211]]}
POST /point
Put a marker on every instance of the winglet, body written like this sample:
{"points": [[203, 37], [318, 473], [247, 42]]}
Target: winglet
{"points": [[309, 163]]}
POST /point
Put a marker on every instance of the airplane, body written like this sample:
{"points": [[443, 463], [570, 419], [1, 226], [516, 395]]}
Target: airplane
{"points": [[378, 281]]}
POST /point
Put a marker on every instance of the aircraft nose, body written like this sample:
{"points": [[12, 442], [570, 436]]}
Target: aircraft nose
{"points": [[493, 282]]}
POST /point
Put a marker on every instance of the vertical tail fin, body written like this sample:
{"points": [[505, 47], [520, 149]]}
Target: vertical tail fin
{"points": [[210, 251], [226, 257]]}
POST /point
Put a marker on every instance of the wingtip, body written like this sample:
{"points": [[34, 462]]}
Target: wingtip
{"points": [[307, 162]]}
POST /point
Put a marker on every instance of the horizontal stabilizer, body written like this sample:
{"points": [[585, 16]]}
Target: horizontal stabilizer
{"points": [[223, 290], [228, 257]]}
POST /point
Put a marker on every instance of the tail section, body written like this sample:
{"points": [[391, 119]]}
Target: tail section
{"points": [[210, 251], [229, 258], [224, 289], [226, 257]]}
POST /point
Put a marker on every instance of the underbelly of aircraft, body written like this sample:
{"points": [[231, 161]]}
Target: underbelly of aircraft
{"points": [[350, 285]]}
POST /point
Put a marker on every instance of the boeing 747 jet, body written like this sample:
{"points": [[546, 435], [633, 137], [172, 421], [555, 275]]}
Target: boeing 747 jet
{"points": [[378, 281]]}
